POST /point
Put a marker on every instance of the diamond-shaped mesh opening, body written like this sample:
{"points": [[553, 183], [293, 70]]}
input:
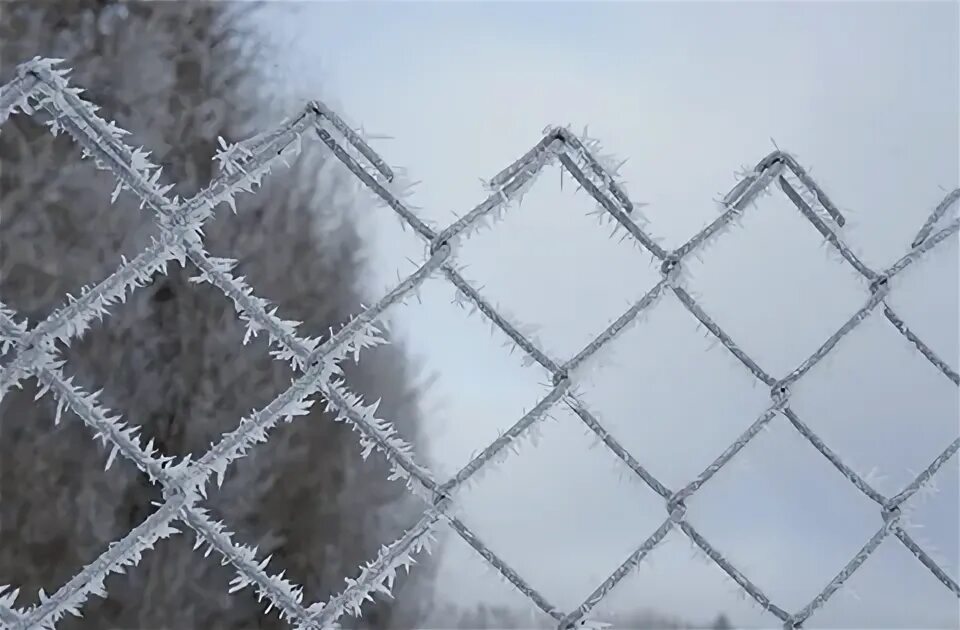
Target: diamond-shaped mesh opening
{"points": [[302, 252], [875, 383], [525, 262], [603, 515], [318, 507], [779, 503], [674, 587], [891, 590], [172, 360], [60, 229], [751, 280], [671, 395], [60, 508], [468, 355]]}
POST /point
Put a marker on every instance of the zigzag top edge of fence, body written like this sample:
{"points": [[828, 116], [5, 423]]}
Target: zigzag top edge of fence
{"points": [[39, 75]]}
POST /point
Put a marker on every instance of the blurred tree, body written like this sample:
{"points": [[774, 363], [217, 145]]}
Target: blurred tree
{"points": [[722, 623], [178, 75]]}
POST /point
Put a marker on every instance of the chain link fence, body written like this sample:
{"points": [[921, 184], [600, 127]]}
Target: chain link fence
{"points": [[41, 87]]}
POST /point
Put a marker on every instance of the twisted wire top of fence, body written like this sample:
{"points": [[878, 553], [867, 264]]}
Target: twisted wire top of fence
{"points": [[41, 86]]}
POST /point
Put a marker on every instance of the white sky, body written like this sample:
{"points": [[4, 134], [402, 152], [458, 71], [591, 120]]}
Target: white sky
{"points": [[865, 95]]}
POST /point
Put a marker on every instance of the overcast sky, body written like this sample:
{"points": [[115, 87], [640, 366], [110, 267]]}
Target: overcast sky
{"points": [[865, 95]]}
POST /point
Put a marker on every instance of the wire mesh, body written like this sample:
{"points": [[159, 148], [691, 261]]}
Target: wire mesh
{"points": [[41, 86]]}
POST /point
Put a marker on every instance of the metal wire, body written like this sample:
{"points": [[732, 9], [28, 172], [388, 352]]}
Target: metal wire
{"points": [[39, 85]]}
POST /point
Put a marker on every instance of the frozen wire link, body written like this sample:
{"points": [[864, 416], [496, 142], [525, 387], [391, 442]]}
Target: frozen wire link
{"points": [[678, 499], [39, 84], [16, 94], [188, 217], [402, 550], [617, 328], [84, 126], [187, 477], [780, 393], [617, 213], [600, 166], [353, 139], [780, 402], [89, 581], [9, 616], [878, 280], [936, 215], [522, 174], [85, 408], [825, 230], [506, 571], [254, 309], [378, 188], [924, 349], [676, 509], [570, 620], [508, 184], [878, 289], [129, 550]]}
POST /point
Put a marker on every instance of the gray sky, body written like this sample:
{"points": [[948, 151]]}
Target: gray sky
{"points": [[865, 95]]}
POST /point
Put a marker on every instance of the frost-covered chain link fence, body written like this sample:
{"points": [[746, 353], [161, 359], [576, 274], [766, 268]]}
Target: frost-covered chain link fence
{"points": [[41, 86]]}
